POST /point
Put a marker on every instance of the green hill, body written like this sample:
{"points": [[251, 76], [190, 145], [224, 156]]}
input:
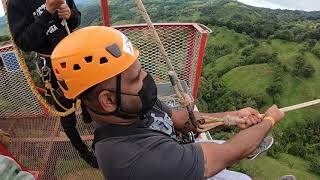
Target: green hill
{"points": [[3, 29]]}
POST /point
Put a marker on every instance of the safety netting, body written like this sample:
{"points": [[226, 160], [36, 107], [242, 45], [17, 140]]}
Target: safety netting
{"points": [[39, 141]]}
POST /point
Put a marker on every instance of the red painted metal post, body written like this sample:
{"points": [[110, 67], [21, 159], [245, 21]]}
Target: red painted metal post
{"points": [[199, 67], [190, 60], [105, 12]]}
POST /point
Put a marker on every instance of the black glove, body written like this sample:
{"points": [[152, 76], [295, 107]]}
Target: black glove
{"points": [[90, 158]]}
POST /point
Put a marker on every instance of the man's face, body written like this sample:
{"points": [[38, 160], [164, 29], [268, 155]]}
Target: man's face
{"points": [[132, 82], [103, 97]]}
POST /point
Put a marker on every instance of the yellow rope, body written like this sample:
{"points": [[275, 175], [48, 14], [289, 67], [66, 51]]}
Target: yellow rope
{"points": [[49, 87], [33, 88]]}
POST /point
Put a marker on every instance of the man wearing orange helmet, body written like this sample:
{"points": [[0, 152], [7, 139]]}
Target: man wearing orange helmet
{"points": [[136, 133], [37, 25]]}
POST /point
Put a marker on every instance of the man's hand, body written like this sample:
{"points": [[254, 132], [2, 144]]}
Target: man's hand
{"points": [[5, 139], [275, 113], [64, 11], [53, 5], [249, 117]]}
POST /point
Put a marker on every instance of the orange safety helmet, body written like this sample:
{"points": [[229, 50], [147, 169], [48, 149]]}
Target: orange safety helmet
{"points": [[90, 56]]}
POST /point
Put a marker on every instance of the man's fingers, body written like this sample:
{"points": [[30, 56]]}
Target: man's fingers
{"points": [[253, 121], [63, 6], [242, 126], [257, 118], [248, 122], [63, 14], [64, 11], [253, 111], [240, 121]]}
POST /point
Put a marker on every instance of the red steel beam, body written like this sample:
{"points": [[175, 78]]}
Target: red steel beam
{"points": [[105, 12], [199, 67]]}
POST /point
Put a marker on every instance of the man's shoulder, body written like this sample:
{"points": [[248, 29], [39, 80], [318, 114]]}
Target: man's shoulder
{"points": [[155, 152], [135, 143]]}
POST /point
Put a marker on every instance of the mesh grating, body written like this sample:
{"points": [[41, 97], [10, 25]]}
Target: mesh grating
{"points": [[38, 138], [182, 43], [15, 96]]}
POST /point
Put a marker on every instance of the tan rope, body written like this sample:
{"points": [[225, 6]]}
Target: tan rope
{"points": [[186, 100], [206, 123], [65, 24], [300, 106]]}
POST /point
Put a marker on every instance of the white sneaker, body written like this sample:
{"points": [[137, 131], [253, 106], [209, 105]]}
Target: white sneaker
{"points": [[264, 146], [288, 177]]}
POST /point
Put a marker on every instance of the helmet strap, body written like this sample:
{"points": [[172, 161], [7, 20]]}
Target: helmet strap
{"points": [[117, 112]]}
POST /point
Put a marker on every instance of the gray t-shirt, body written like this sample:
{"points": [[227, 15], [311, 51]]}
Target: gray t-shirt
{"points": [[154, 154]]}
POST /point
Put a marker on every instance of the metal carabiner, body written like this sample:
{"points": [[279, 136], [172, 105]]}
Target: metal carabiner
{"points": [[45, 70]]}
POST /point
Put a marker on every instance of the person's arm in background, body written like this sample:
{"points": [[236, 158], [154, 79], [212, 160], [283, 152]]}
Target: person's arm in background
{"points": [[28, 33], [75, 19], [217, 157]]}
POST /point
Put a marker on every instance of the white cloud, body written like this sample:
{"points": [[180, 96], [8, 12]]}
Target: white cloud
{"points": [[262, 3], [306, 5]]}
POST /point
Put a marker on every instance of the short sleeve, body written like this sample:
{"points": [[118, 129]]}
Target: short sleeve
{"points": [[169, 160]]}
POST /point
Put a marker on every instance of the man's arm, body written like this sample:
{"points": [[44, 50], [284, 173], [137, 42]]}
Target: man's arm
{"points": [[217, 157], [75, 19], [28, 33]]}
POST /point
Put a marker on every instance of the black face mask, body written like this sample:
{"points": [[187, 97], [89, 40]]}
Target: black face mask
{"points": [[147, 94]]}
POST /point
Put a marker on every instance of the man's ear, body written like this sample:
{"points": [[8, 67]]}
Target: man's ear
{"points": [[107, 101]]}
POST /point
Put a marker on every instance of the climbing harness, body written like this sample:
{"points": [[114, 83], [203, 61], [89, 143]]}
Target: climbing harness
{"points": [[46, 74]]}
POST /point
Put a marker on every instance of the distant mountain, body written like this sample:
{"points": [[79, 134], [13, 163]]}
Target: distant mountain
{"points": [[85, 3], [3, 25], [3, 19]]}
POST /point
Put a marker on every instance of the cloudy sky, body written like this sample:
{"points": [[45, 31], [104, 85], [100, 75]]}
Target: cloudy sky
{"points": [[306, 5]]}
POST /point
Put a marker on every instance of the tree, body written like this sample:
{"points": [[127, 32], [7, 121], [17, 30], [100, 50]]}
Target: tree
{"points": [[298, 65], [4, 39], [308, 71], [311, 43], [302, 69], [316, 51], [274, 90], [315, 165]]}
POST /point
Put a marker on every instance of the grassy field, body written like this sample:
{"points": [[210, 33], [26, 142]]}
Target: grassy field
{"points": [[256, 78], [267, 168]]}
